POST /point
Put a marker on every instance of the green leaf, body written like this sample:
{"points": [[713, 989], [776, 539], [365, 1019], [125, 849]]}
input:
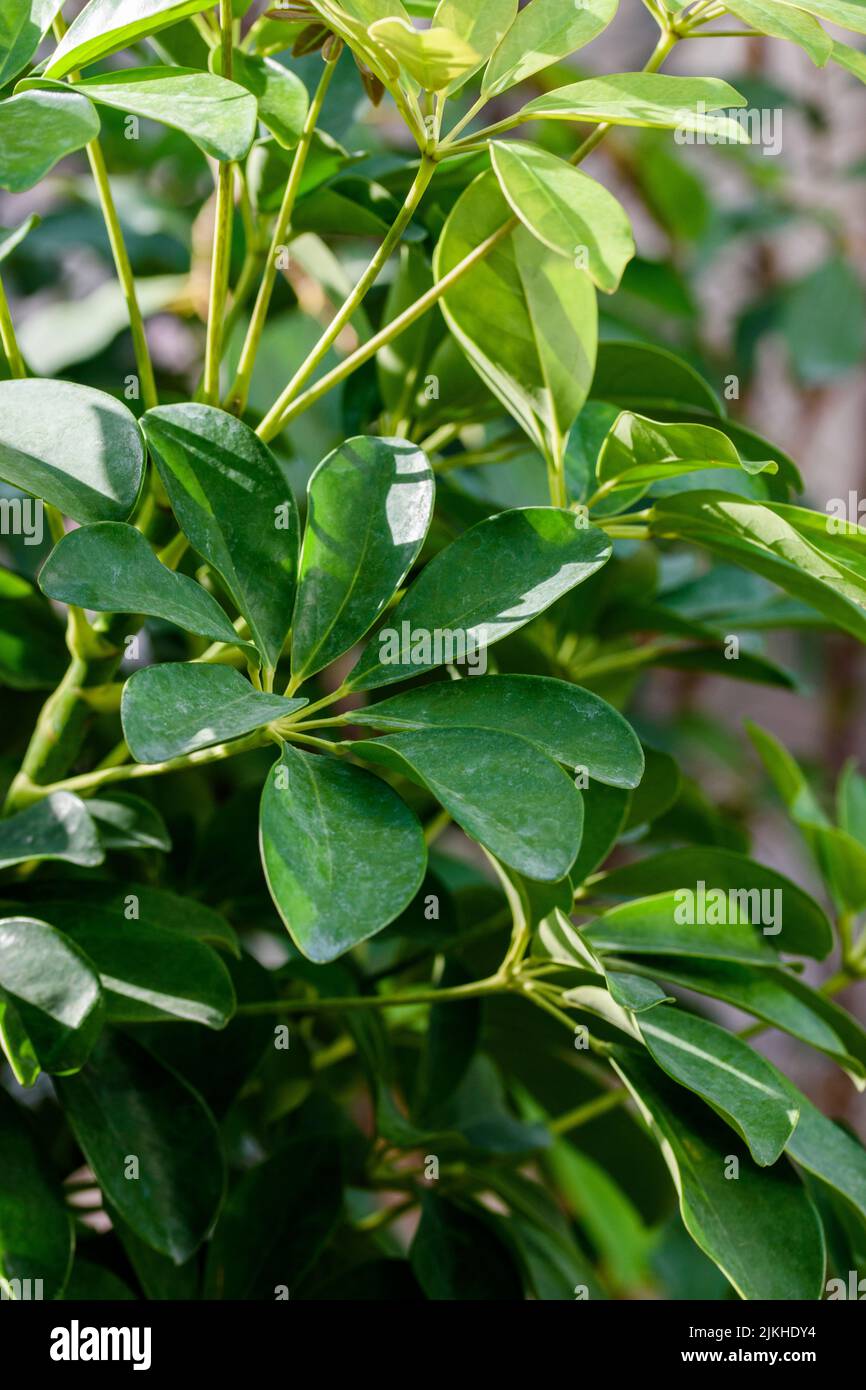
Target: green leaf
{"points": [[111, 568], [572, 725], [457, 1254], [642, 377], [342, 854], [495, 577], [644, 99], [728, 1074], [12, 239], [542, 368], [851, 802], [605, 809], [851, 59], [276, 1222], [174, 709], [637, 452], [51, 1007], [648, 926], [783, 21], [635, 992], [104, 26], [56, 827], [77, 448], [481, 26], [830, 1153], [735, 1223], [36, 1233], [502, 790], [125, 821], [232, 501], [805, 929], [848, 13], [543, 32], [33, 653], [567, 211], [219, 116], [605, 1212], [280, 95], [369, 505], [399, 364], [437, 58], [779, 998], [124, 1105], [753, 536], [39, 128], [23, 24]]}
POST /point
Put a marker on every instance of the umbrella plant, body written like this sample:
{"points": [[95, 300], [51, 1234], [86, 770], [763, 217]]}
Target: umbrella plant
{"points": [[354, 941]]}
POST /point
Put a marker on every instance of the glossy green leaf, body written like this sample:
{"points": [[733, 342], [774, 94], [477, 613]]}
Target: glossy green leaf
{"points": [[504, 792], [125, 821], [648, 926], [51, 1006], [543, 32], [281, 97], [572, 725], [481, 26], [800, 926], [125, 1106], [644, 99], [233, 502], [170, 710], [735, 1223], [36, 1234], [542, 368], [784, 21], [635, 992], [342, 854], [39, 128], [104, 26], [489, 582], [77, 448], [56, 827], [436, 57], [755, 537], [830, 1153], [23, 24], [566, 210], [638, 452], [111, 568], [734, 1079], [74, 906], [369, 505], [276, 1222], [219, 116], [457, 1254]]}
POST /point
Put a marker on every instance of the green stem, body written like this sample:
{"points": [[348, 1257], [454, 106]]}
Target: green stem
{"points": [[8, 339], [219, 281], [492, 985], [237, 398], [276, 416], [590, 1110]]}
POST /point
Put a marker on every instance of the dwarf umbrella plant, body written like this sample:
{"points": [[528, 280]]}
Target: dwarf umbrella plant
{"points": [[352, 940]]}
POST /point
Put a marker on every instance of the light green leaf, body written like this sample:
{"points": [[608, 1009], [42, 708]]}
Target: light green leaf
{"points": [[23, 25], [649, 926], [542, 368], [502, 790], [219, 116], [104, 26], [51, 1005], [567, 211], [644, 99], [56, 827], [368, 509], [342, 854], [495, 577], [543, 32], [480, 23], [604, 1211], [12, 239], [753, 536], [36, 1232], [851, 802], [126, 1103], [853, 60], [435, 57], [280, 95], [729, 1075], [783, 21], [232, 501], [638, 452], [173, 709], [77, 448], [850, 14], [36, 130], [735, 1223], [111, 568], [572, 725], [800, 926]]}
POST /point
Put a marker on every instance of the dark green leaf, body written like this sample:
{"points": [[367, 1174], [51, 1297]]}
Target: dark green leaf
{"points": [[457, 1254], [56, 827], [51, 1008], [36, 1239], [125, 821]]}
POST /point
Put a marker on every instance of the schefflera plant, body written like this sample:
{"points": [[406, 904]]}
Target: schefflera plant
{"points": [[631, 449]]}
